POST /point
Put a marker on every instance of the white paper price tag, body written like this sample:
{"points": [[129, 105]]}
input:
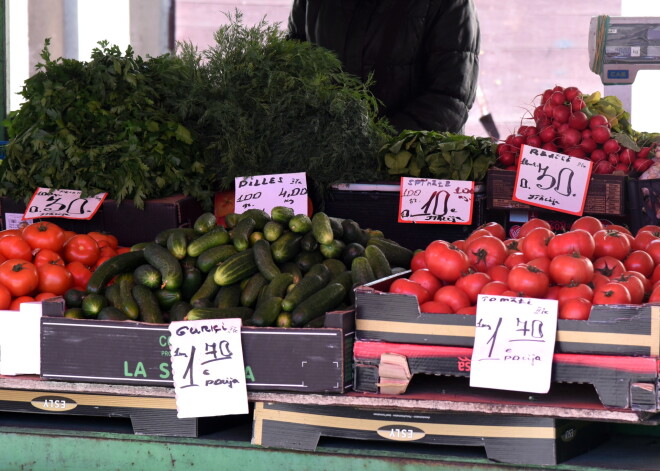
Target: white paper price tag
{"points": [[514, 343], [207, 368], [47, 203], [435, 201], [552, 181], [267, 191]]}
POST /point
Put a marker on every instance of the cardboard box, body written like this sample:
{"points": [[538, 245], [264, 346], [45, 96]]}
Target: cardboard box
{"points": [[620, 382], [294, 359], [129, 224], [377, 207], [606, 194], [508, 439], [628, 330]]}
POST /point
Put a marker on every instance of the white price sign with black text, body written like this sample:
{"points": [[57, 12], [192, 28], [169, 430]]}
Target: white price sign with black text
{"points": [[267, 191], [435, 201], [49, 203]]}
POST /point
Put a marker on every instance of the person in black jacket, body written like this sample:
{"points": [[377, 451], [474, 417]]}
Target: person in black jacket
{"points": [[423, 53]]}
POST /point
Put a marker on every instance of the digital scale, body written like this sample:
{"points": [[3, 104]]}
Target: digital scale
{"points": [[619, 47]]}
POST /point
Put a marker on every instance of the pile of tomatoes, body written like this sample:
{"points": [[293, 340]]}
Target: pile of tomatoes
{"points": [[586, 265], [42, 260]]}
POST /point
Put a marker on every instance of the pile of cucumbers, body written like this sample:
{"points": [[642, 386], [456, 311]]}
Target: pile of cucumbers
{"points": [[279, 269]]}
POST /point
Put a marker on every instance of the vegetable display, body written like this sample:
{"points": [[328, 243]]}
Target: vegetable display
{"points": [[278, 269], [586, 265]]}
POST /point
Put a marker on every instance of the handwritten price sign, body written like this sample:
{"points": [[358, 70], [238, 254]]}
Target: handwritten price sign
{"points": [[514, 343], [267, 191], [434, 201], [68, 204], [552, 181], [207, 368]]}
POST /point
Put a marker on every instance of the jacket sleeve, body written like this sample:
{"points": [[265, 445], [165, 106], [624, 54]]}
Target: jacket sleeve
{"points": [[450, 70], [296, 26]]}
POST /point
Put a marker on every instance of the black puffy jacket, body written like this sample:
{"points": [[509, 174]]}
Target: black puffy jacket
{"points": [[428, 79]]}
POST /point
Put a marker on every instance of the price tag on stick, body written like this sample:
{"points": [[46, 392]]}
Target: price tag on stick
{"points": [[49, 203], [434, 201], [552, 181], [514, 343], [267, 191], [207, 368]]}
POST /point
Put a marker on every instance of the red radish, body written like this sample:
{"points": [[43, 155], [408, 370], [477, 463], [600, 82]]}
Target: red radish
{"points": [[603, 167], [613, 158], [518, 141], [621, 167], [601, 134], [561, 113], [578, 120], [570, 138], [611, 145], [558, 98], [538, 113], [627, 156], [642, 165], [548, 134], [578, 104], [546, 95], [550, 147], [547, 108], [598, 155], [643, 153], [576, 152], [586, 133], [588, 145], [598, 120], [506, 159], [534, 141], [571, 92]]}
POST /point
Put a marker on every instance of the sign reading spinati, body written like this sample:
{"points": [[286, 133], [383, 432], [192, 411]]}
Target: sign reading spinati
{"points": [[552, 180], [435, 201], [267, 191], [50, 203]]}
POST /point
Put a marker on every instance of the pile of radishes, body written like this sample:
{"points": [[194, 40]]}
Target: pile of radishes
{"points": [[563, 123]]}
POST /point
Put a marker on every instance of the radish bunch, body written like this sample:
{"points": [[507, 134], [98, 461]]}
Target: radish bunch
{"points": [[564, 123]]}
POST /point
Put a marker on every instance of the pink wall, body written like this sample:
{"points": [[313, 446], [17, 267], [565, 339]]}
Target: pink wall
{"points": [[527, 46]]}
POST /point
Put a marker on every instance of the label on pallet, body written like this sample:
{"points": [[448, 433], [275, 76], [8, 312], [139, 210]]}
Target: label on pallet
{"points": [[208, 368], [514, 343], [552, 180], [435, 201]]}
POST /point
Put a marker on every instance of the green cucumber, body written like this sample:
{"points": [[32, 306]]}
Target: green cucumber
{"points": [[273, 230], [74, 313], [310, 283], [228, 296], [283, 319], [166, 263], [208, 289], [282, 214], [317, 304], [162, 236], [92, 305], [264, 258], [205, 222], [73, 297], [293, 269], [286, 247], [179, 310], [113, 295], [241, 233], [111, 313], [378, 261], [267, 311], [127, 303], [361, 271], [309, 243], [148, 275], [231, 220], [278, 286], [321, 270], [177, 244], [300, 223], [250, 292], [240, 312], [397, 255], [236, 268], [259, 216], [335, 266], [217, 236], [214, 255], [352, 250], [334, 249], [192, 280], [121, 263], [352, 232], [150, 311], [337, 228], [322, 229], [166, 299], [306, 260]]}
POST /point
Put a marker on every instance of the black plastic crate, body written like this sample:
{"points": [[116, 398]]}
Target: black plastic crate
{"points": [[644, 201], [379, 210]]}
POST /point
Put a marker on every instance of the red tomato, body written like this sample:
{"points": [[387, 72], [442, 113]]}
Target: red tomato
{"points": [[486, 251], [575, 291], [472, 284], [635, 287], [412, 288], [495, 228], [19, 276], [495, 288], [553, 292], [542, 263], [44, 235], [512, 245], [54, 278], [5, 297], [611, 293], [587, 223], [575, 309], [427, 279], [609, 266], [643, 239], [599, 279], [14, 246], [16, 303], [577, 241], [44, 256], [436, 307], [446, 261], [81, 248], [104, 239], [655, 295], [513, 259], [528, 281], [649, 228], [532, 224], [499, 273], [535, 243], [653, 249], [416, 263], [128, 249], [566, 269], [475, 234], [646, 282], [611, 242], [80, 274], [43, 296], [468, 310], [641, 261], [618, 227], [453, 296], [459, 244]]}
